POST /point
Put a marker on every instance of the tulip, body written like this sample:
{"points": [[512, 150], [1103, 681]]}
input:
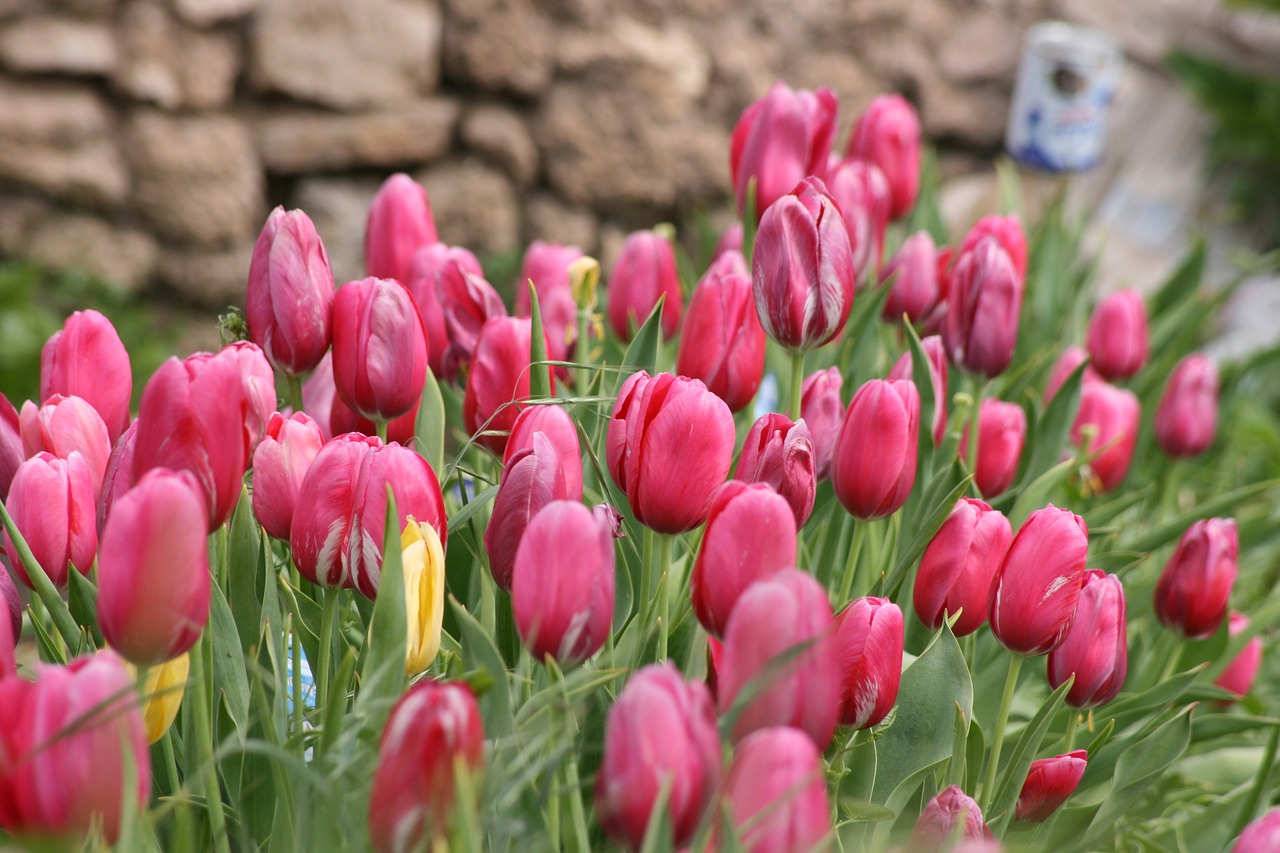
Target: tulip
{"points": [[1113, 413], [1187, 416], [430, 267], [468, 302], [1033, 598], [1007, 230], [888, 134], [433, 738], [750, 535], [8, 642], [904, 368], [399, 223], [562, 585], [64, 425], [258, 384], [379, 348], [981, 326], [780, 453], [645, 270], [1071, 358], [661, 730], [338, 541], [499, 380], [558, 427], [874, 466], [776, 794], [912, 277], [959, 565], [1002, 431], [279, 465], [547, 266], [822, 411], [87, 359], [53, 505], [802, 269], [12, 453], [289, 306], [162, 695], [1049, 782], [861, 192], [800, 689], [422, 557], [1193, 590], [669, 447], [1238, 675], [780, 139], [10, 621], [722, 342], [1260, 836], [951, 814], [1096, 648], [730, 241], [1117, 336], [153, 571], [334, 417], [870, 636], [119, 476]]}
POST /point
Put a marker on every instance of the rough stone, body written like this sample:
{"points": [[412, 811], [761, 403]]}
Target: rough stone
{"points": [[500, 135], [172, 65], [983, 47], [744, 66], [197, 179], [118, 255], [499, 45], [38, 45], [902, 60], [474, 205], [975, 115], [338, 207], [842, 73], [17, 213], [548, 218], [84, 8], [214, 278], [347, 55], [204, 13], [58, 139], [301, 141]]}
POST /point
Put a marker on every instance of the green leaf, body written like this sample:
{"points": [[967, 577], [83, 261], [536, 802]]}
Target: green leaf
{"points": [[480, 501], [1184, 282], [928, 400], [539, 371], [229, 674], [82, 599], [861, 338], [49, 597], [1052, 429], [430, 426], [244, 573], [479, 651], [933, 508], [642, 352], [1170, 530], [1020, 757], [382, 661]]}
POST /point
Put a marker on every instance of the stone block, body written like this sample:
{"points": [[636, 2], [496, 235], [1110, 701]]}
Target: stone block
{"points": [[339, 207], [475, 205], [48, 45], [500, 135], [211, 277], [548, 218], [500, 45], [121, 256], [171, 64]]}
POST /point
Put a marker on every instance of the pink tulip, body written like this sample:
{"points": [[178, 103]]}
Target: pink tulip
{"points": [[1071, 358], [1114, 415], [1192, 593], [1049, 783], [780, 453], [499, 380], [1117, 335], [468, 302], [1238, 675], [280, 464], [258, 384], [951, 814], [722, 342], [334, 417], [87, 359], [556, 424], [399, 223], [119, 477], [959, 565], [379, 348], [1260, 836], [776, 793], [985, 298], [862, 194], [66, 425], [780, 139], [730, 241], [10, 622], [1002, 432], [1033, 598], [53, 505], [431, 266], [912, 276], [888, 134], [645, 270], [547, 266], [874, 466], [1096, 648], [1007, 230], [904, 368], [12, 453], [870, 636], [1187, 417], [823, 412]]}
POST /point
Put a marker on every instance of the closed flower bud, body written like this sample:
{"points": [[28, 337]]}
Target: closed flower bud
{"points": [[547, 266], [888, 134], [870, 637], [1071, 358], [802, 270], [279, 465], [562, 586], [431, 266], [87, 359], [422, 557], [771, 619], [874, 466], [379, 348], [669, 447], [951, 814], [289, 305], [334, 417], [981, 326], [912, 277], [722, 342], [823, 412], [730, 241], [776, 793], [119, 477], [1002, 431], [904, 368], [1096, 648], [1033, 598], [661, 730], [780, 139], [1113, 414], [645, 270], [64, 425], [499, 380], [434, 735], [862, 193], [1260, 836], [153, 572], [750, 535], [1193, 590], [1049, 782], [258, 385], [53, 505], [1007, 230], [1187, 417], [12, 453], [558, 427], [468, 302], [959, 565], [780, 453], [162, 694], [10, 615], [1117, 336], [1238, 675], [399, 223]]}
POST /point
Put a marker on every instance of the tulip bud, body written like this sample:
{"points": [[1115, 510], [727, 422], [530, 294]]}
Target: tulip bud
{"points": [[334, 417], [289, 306], [433, 737], [10, 620], [12, 453], [750, 535], [554, 423], [904, 368], [981, 326], [951, 814], [822, 411], [162, 694], [399, 223], [874, 466], [70, 740], [8, 644], [1002, 431], [258, 385], [888, 134], [1007, 230], [645, 270], [430, 267], [279, 465], [498, 381], [780, 139], [959, 565], [562, 586], [1033, 598], [722, 342], [800, 689], [1113, 414], [912, 277], [65, 425], [776, 793], [1260, 836], [468, 302], [119, 476], [1049, 782], [861, 192], [730, 241], [422, 557], [379, 348], [669, 447], [1071, 358], [1238, 675], [547, 266], [661, 730], [53, 505], [1193, 590], [1187, 417], [780, 453], [870, 637], [1117, 336], [802, 270], [338, 541], [1096, 648], [87, 359]]}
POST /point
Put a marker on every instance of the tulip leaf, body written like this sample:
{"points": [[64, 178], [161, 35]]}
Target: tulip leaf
{"points": [[479, 501], [336, 710], [481, 653], [861, 338], [1038, 493], [243, 573], [929, 401], [1165, 533], [955, 774], [1183, 282], [1051, 430], [975, 750], [642, 352], [430, 426], [229, 675], [1024, 750], [925, 518], [82, 599], [926, 215], [44, 588], [383, 657], [1259, 620], [539, 366]]}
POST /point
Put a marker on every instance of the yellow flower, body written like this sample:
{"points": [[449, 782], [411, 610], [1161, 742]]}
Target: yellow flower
{"points": [[423, 560], [162, 694]]}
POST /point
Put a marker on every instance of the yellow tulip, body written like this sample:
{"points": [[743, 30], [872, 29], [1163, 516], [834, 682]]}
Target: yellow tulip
{"points": [[162, 694], [423, 560]]}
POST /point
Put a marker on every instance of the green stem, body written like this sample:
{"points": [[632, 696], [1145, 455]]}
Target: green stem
{"points": [[582, 349], [664, 597], [380, 427], [327, 618], [1257, 793], [797, 383], [978, 388], [201, 690], [851, 566], [295, 391], [1069, 739], [997, 738], [170, 763], [295, 653]]}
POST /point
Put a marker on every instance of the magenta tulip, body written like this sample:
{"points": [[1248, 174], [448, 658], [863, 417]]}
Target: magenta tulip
{"points": [[959, 565], [781, 454], [499, 380], [1187, 417], [399, 224], [10, 616], [1260, 836], [1071, 358], [1049, 782], [430, 267], [776, 794], [280, 464], [862, 194], [730, 241], [874, 466], [912, 277], [468, 302], [1117, 336], [888, 134], [1096, 648], [1238, 675], [644, 272], [66, 425], [1113, 414], [556, 424], [547, 266], [951, 814], [1193, 590], [379, 348], [722, 342], [334, 417], [12, 453], [870, 636], [985, 298], [53, 503], [1033, 598], [1007, 230], [1002, 432], [119, 477], [87, 359], [258, 385], [904, 368], [823, 412]]}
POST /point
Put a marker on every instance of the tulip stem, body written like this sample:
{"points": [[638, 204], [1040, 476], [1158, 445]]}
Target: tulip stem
{"points": [[1258, 792], [204, 736], [851, 566], [170, 762], [997, 738], [664, 604], [797, 383], [295, 391], [380, 427], [327, 617], [979, 387], [1073, 723]]}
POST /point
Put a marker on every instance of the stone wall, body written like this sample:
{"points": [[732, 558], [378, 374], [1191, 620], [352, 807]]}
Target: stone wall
{"points": [[145, 140]]}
